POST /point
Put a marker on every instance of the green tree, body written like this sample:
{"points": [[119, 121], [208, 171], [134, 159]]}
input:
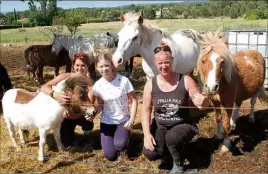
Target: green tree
{"points": [[44, 15], [149, 12], [234, 13], [15, 15], [73, 20]]}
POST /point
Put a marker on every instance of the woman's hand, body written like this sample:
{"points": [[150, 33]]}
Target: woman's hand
{"points": [[149, 142], [129, 124], [62, 97], [200, 100], [69, 115], [90, 118]]}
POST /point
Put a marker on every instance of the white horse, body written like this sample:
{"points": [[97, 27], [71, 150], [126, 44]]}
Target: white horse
{"points": [[139, 37]]}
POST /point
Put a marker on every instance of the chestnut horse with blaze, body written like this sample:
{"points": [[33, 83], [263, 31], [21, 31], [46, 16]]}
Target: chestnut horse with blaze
{"points": [[228, 80]]}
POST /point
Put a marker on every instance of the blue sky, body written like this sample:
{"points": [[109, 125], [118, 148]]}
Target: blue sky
{"points": [[8, 6]]}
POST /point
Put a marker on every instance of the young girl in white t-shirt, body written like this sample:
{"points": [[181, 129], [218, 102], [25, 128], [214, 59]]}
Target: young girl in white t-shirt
{"points": [[113, 93]]}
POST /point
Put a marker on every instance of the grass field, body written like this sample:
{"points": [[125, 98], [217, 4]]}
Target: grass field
{"points": [[171, 25]]}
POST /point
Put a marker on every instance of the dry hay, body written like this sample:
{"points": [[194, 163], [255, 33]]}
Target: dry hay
{"points": [[250, 154]]}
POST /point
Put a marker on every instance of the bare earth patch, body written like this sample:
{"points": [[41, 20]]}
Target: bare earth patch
{"points": [[249, 155]]}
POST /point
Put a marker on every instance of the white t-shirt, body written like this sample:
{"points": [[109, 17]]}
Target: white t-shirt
{"points": [[114, 96]]}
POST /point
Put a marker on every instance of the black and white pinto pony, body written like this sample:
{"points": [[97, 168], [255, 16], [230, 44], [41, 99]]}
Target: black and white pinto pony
{"points": [[86, 45], [5, 82]]}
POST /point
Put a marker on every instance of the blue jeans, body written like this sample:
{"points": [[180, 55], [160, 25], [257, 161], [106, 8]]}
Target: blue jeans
{"points": [[114, 139]]}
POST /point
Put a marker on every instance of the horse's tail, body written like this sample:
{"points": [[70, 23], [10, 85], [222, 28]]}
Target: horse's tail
{"points": [[28, 56], [263, 96]]}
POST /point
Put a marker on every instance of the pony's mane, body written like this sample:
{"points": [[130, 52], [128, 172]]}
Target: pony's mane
{"points": [[102, 40], [147, 29], [217, 43], [79, 80]]}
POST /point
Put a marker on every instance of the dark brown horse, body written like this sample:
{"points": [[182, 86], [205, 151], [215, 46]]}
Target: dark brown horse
{"points": [[38, 56], [5, 82], [229, 80]]}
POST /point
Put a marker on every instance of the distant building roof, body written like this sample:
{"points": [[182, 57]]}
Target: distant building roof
{"points": [[23, 20]]}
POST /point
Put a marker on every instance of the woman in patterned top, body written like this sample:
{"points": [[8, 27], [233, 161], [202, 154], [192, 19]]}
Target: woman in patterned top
{"points": [[169, 94], [113, 93]]}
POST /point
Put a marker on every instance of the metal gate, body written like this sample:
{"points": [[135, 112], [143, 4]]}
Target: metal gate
{"points": [[250, 39]]}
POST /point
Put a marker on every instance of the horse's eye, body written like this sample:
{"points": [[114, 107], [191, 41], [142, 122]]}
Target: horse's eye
{"points": [[134, 38], [203, 61]]}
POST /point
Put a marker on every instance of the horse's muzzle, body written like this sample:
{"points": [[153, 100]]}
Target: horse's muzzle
{"points": [[210, 90]]}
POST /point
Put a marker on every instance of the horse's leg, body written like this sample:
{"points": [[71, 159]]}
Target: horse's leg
{"points": [[252, 104], [40, 74], [11, 131], [131, 66], [29, 75], [22, 137], [127, 68], [42, 142], [57, 137], [57, 71], [235, 115], [92, 72], [226, 145], [68, 67], [218, 117]]}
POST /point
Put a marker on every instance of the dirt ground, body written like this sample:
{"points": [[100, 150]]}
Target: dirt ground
{"points": [[249, 141]]}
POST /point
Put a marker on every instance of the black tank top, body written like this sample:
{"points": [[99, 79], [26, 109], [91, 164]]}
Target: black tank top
{"points": [[167, 111]]}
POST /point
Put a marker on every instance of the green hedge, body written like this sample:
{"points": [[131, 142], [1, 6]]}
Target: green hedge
{"points": [[14, 26]]}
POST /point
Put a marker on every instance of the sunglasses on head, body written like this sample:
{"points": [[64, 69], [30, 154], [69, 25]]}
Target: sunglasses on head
{"points": [[162, 48]]}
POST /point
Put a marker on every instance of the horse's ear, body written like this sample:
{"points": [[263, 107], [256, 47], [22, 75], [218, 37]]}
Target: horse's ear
{"points": [[122, 18], [140, 20], [108, 34]]}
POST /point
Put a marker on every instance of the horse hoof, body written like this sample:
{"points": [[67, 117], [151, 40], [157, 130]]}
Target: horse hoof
{"points": [[232, 125], [41, 158], [224, 149], [61, 149]]}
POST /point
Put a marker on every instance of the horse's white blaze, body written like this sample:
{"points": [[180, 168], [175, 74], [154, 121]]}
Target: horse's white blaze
{"points": [[212, 81]]}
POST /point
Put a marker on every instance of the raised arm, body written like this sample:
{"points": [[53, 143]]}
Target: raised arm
{"points": [[198, 99], [59, 96]]}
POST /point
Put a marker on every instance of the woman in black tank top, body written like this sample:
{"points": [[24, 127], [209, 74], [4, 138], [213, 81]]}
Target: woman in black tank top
{"points": [[168, 93]]}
